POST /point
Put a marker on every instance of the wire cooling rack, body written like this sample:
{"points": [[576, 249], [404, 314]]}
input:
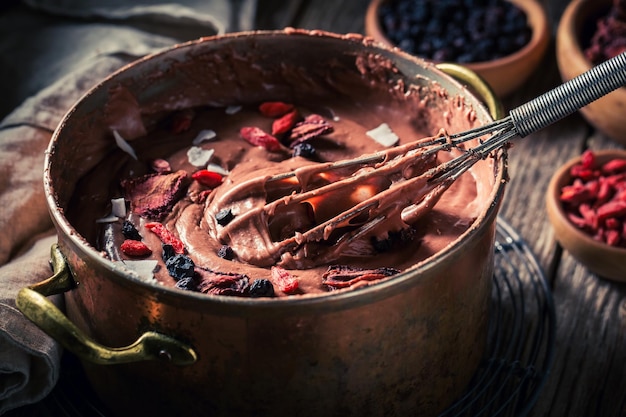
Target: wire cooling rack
{"points": [[517, 362], [522, 329]]}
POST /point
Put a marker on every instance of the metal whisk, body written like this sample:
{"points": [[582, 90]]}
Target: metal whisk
{"points": [[311, 216]]}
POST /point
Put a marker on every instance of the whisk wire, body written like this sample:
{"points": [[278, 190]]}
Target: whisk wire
{"points": [[416, 185]]}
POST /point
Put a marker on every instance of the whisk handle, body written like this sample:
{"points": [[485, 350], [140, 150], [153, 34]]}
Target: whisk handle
{"points": [[570, 96]]}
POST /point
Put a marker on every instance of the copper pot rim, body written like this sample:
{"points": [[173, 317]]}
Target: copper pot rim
{"points": [[341, 298]]}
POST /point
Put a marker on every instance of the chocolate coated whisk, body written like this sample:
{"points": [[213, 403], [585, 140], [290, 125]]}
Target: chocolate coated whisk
{"points": [[346, 203]]}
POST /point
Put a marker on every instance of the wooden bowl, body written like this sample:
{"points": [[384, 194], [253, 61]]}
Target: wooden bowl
{"points": [[505, 74], [573, 34], [600, 258]]}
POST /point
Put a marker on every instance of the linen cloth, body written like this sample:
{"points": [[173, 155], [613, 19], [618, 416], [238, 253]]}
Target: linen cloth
{"points": [[53, 51]]}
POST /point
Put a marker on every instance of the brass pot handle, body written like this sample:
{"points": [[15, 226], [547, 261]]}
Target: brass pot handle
{"points": [[32, 302], [477, 84]]}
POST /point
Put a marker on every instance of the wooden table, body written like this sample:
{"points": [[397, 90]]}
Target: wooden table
{"points": [[588, 375]]}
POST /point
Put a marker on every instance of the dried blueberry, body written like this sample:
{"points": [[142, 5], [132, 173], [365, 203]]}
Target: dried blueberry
{"points": [[226, 252], [305, 150], [450, 30], [180, 266], [130, 231], [261, 288], [224, 216], [187, 283], [393, 239], [167, 251]]}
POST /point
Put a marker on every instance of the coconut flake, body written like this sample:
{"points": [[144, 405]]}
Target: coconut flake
{"points": [[118, 210], [232, 109], [198, 156], [143, 268], [111, 218], [123, 145], [217, 168], [118, 207], [383, 135], [204, 136]]}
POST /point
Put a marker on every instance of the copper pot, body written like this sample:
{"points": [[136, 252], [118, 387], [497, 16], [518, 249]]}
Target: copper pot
{"points": [[406, 346]]}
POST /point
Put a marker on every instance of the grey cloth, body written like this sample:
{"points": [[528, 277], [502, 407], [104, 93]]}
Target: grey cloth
{"points": [[51, 53]]}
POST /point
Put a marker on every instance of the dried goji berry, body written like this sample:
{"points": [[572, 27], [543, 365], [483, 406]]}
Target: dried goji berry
{"points": [[620, 195], [275, 108], [595, 200], [135, 248], [611, 209], [612, 237], [588, 159], [285, 123], [208, 178], [577, 220], [584, 173], [604, 193], [613, 224], [614, 166], [589, 214], [575, 194], [166, 236], [258, 137], [286, 282], [617, 181]]}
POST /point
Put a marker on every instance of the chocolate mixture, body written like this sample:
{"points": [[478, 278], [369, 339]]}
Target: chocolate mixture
{"points": [[157, 199]]}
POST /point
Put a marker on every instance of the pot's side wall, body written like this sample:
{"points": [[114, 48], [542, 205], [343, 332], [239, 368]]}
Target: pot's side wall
{"points": [[410, 354]]}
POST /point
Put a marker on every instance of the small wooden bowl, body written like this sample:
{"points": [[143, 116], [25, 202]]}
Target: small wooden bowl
{"points": [[600, 258], [573, 34], [505, 74]]}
